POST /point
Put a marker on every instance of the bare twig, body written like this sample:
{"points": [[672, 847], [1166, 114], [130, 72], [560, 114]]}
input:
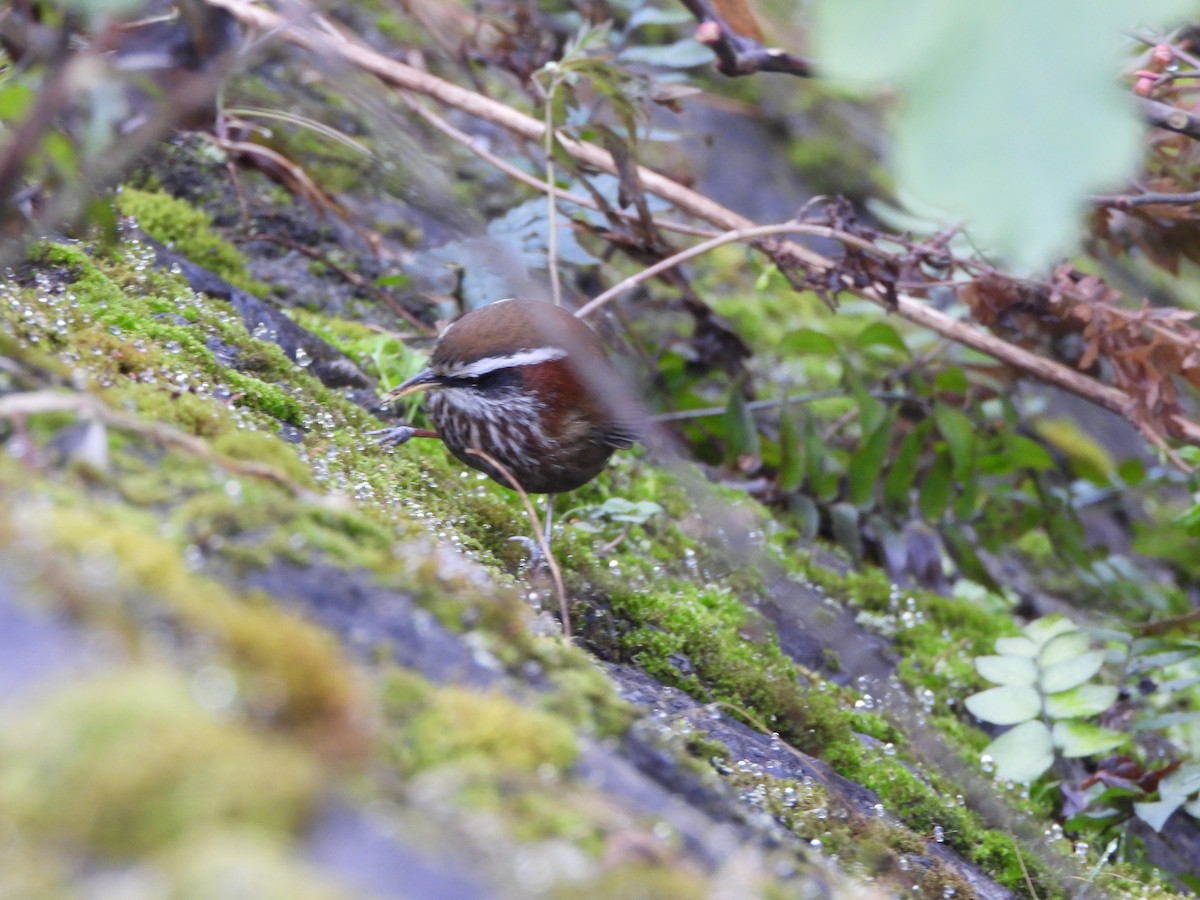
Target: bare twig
{"points": [[18, 406], [353, 278], [1168, 117], [740, 53], [1149, 198], [730, 237], [708, 412], [551, 200]]}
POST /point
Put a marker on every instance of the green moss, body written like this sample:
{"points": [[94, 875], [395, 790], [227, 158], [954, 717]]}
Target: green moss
{"points": [[476, 731], [299, 678], [127, 762], [584, 695], [244, 862], [187, 412], [642, 881], [866, 844], [254, 446], [678, 628], [188, 231]]}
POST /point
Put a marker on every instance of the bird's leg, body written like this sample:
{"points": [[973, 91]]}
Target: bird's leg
{"points": [[396, 435], [537, 556], [549, 517]]}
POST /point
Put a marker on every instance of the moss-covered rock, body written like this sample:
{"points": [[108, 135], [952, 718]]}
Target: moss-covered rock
{"points": [[128, 763]]}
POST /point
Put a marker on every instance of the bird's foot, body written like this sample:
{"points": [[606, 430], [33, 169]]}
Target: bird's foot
{"points": [[537, 559], [393, 436]]}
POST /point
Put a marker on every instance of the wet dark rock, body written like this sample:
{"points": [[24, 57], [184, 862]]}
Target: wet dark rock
{"points": [[367, 617], [291, 433], [744, 745], [332, 367], [810, 628], [348, 844]]}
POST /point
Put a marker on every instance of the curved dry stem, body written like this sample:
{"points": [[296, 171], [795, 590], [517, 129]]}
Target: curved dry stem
{"points": [[741, 234], [542, 540]]}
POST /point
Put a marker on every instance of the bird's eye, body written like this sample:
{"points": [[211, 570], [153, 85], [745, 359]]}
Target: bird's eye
{"points": [[497, 379]]}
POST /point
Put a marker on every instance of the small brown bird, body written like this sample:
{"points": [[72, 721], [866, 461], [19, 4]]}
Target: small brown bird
{"points": [[531, 386]]}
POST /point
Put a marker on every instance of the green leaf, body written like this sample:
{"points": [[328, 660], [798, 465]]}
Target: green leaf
{"points": [[684, 54], [1159, 660], [823, 485], [1081, 702], [791, 452], [1075, 738], [972, 81], [805, 341], [102, 216], [845, 522], [951, 381], [866, 465], [967, 500], [738, 426], [1042, 630], [61, 152], [1063, 646], [15, 98], [1184, 781], [1023, 753], [1156, 812], [1132, 471], [903, 471], [1025, 453], [959, 433], [1014, 670], [618, 509], [95, 10], [937, 489], [1071, 672], [1166, 720], [655, 15], [1016, 646], [806, 514], [881, 334], [1006, 705]]}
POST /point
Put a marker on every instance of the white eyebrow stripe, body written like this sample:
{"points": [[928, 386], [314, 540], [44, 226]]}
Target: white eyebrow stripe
{"points": [[488, 364]]}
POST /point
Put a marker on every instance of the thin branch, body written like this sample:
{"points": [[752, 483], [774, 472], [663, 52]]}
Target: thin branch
{"points": [[739, 53], [730, 237], [551, 200], [18, 406], [1149, 198], [708, 412], [352, 278], [1168, 117]]}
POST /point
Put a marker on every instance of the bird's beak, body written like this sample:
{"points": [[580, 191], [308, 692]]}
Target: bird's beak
{"points": [[423, 380]]}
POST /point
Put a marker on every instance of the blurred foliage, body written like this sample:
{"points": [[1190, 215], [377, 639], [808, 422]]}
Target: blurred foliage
{"points": [[1044, 689], [1021, 164]]}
